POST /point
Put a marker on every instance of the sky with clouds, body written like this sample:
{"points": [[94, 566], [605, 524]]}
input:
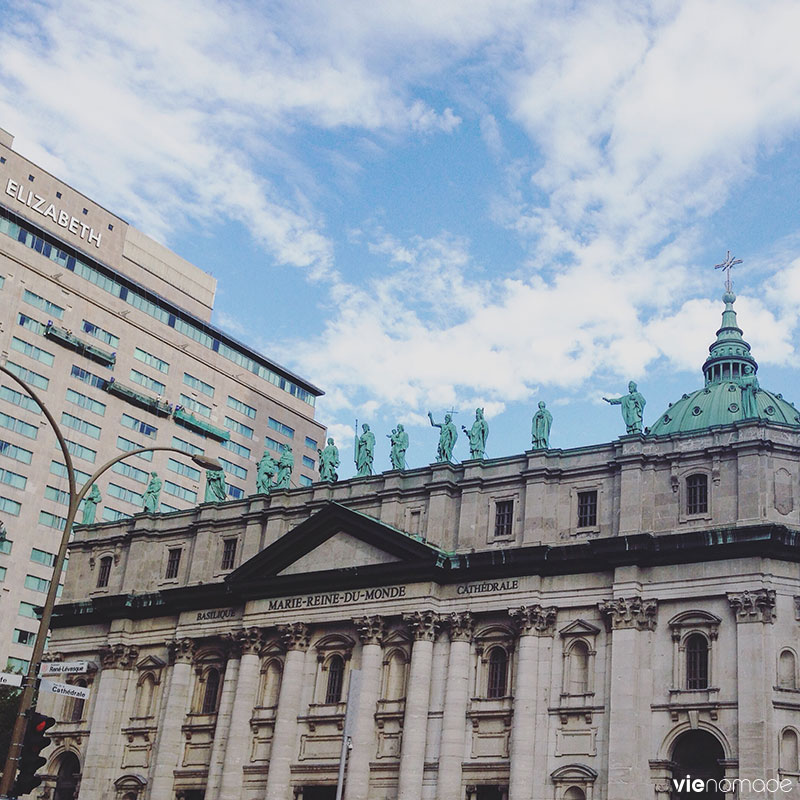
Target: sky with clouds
{"points": [[423, 206]]}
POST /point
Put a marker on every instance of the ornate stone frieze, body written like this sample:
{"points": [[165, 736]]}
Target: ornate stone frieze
{"points": [[535, 620], [753, 606], [181, 651], [294, 635], [119, 656], [423, 625], [371, 630], [630, 612], [461, 625]]}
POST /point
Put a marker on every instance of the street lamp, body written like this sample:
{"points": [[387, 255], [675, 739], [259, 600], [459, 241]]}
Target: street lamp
{"points": [[75, 497]]}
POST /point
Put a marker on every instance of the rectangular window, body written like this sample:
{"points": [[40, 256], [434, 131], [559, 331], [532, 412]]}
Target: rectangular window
{"points": [[273, 445], [308, 463], [23, 637], [88, 377], [196, 383], [194, 406], [148, 382], [101, 334], [18, 399], [28, 610], [36, 584], [128, 445], [140, 427], [80, 425], [52, 520], [82, 400], [39, 302], [281, 428], [79, 451], [241, 407], [179, 491], [165, 508], [43, 557], [587, 509], [21, 346], [56, 495], [31, 324], [187, 447], [228, 554], [104, 573], [173, 563], [306, 481], [57, 468], [503, 518], [16, 452], [18, 426], [183, 469], [234, 491], [28, 375], [113, 514], [128, 495], [129, 471], [151, 360], [697, 494], [238, 427], [311, 443], [233, 469], [2, 574], [12, 479], [5, 547], [238, 449], [10, 506], [17, 665]]}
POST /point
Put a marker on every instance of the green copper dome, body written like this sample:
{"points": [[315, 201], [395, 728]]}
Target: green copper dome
{"points": [[731, 392]]}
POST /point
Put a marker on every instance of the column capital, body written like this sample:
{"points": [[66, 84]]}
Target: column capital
{"points": [[461, 625], [753, 606], [294, 635], [423, 625], [118, 656], [247, 640], [371, 630], [181, 651], [534, 620], [629, 612]]}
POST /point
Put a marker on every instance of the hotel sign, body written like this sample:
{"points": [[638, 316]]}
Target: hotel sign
{"points": [[41, 206]]}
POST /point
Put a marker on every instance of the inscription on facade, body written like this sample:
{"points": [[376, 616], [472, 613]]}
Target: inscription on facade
{"points": [[337, 598], [217, 613], [487, 587]]}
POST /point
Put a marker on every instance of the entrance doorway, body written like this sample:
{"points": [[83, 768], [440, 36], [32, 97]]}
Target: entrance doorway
{"points": [[69, 770], [699, 754], [319, 793]]}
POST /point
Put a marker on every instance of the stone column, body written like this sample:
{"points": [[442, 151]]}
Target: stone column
{"points": [[371, 631], [755, 613], [169, 741], [533, 623], [423, 626], [295, 639], [456, 694], [99, 770], [234, 736], [631, 621]]}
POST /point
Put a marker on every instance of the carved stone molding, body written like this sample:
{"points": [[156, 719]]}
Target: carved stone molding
{"points": [[535, 620], [294, 635], [181, 651], [119, 656], [630, 612], [371, 630], [753, 606], [461, 625], [797, 606], [423, 625]]}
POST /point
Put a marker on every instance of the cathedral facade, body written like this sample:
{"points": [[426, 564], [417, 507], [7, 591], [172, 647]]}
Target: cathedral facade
{"points": [[610, 622]]}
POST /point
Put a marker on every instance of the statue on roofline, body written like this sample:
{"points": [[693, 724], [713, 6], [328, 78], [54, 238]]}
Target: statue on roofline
{"points": [[632, 408]]}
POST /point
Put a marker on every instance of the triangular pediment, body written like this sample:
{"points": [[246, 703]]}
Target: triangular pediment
{"points": [[579, 627], [341, 551]]}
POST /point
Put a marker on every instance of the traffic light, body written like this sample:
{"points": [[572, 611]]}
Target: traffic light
{"points": [[33, 743]]}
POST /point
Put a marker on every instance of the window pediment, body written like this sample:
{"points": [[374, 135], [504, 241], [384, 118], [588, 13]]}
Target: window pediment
{"points": [[579, 628]]}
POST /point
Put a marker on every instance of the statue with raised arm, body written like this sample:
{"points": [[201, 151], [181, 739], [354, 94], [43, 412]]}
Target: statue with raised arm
{"points": [[283, 478], [90, 505], [152, 494], [749, 384], [540, 428], [447, 437], [632, 408], [477, 435], [399, 440], [215, 486], [365, 452], [265, 471], [328, 462]]}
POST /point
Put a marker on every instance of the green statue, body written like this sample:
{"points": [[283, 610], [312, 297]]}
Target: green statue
{"points": [[283, 478], [540, 428], [215, 486], [90, 505], [399, 441], [365, 452], [447, 437], [328, 462], [749, 384], [632, 408], [477, 435], [265, 471], [151, 494]]}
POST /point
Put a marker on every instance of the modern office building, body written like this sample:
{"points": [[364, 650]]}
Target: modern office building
{"points": [[113, 331], [597, 623]]}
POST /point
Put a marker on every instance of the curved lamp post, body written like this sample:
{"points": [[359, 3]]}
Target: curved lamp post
{"points": [[75, 497]]}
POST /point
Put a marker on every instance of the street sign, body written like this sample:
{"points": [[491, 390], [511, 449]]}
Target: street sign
{"points": [[62, 667], [63, 689], [10, 679]]}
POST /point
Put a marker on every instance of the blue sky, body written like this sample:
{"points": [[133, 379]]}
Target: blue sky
{"points": [[443, 205]]}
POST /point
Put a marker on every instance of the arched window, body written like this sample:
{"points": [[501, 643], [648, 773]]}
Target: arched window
{"points": [[497, 673], [211, 693], [790, 761], [272, 683], [147, 690], [574, 793], [395, 676], [696, 661], [78, 703], [105, 572], [697, 494], [787, 670], [333, 691], [69, 769], [578, 666]]}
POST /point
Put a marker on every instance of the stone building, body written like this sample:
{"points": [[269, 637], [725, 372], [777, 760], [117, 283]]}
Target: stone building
{"points": [[584, 624]]}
